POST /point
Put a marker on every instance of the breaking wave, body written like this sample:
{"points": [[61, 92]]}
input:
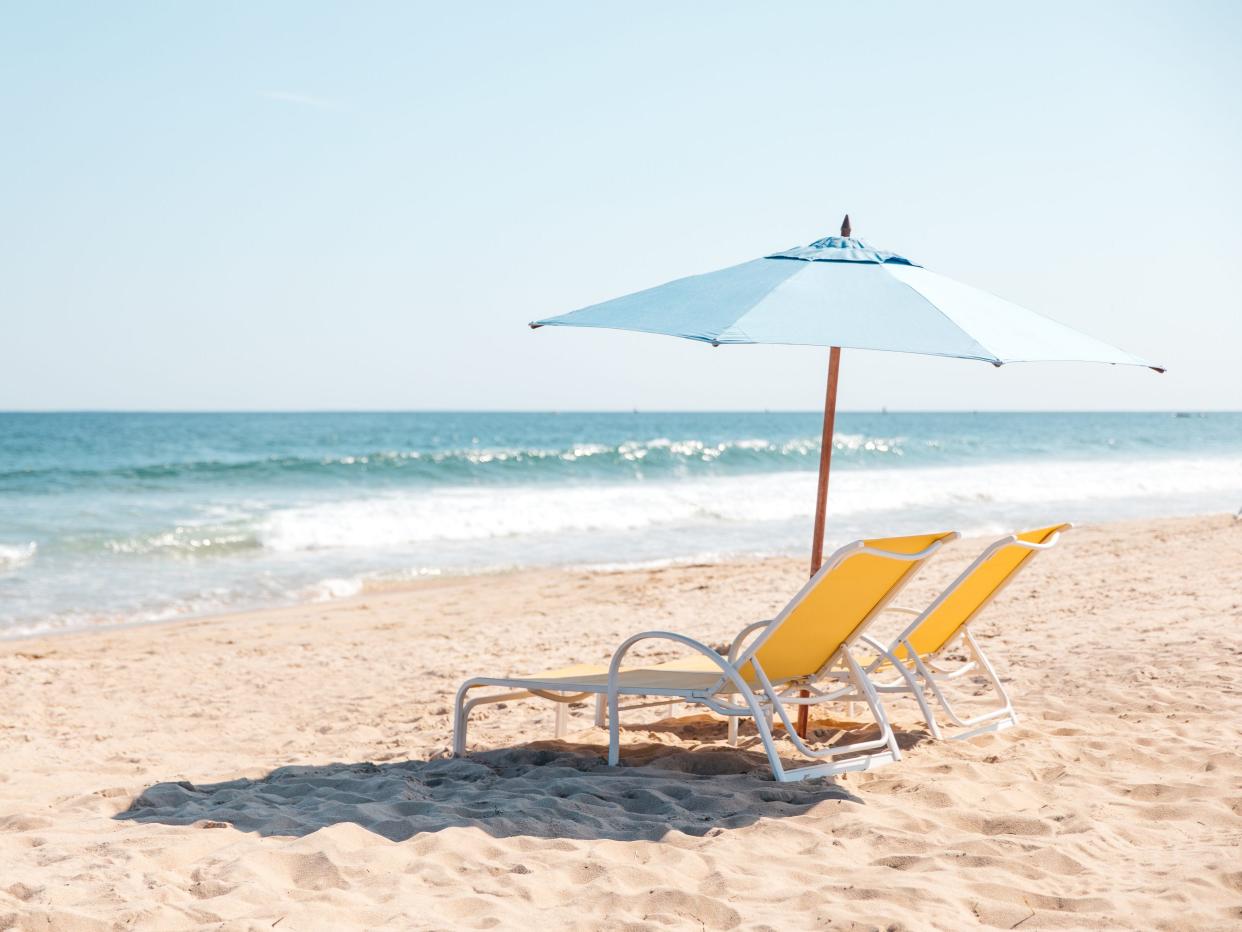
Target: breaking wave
{"points": [[463, 514], [14, 555], [579, 461]]}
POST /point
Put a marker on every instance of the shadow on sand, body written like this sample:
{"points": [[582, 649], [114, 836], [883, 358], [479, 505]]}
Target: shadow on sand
{"points": [[546, 789]]}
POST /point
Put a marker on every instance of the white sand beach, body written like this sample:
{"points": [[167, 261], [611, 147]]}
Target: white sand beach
{"points": [[288, 768]]}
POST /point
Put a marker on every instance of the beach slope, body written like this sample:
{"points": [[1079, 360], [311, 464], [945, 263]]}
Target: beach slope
{"points": [[288, 769]]}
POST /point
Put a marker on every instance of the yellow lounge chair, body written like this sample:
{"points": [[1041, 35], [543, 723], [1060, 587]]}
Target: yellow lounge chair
{"points": [[918, 652], [813, 633]]}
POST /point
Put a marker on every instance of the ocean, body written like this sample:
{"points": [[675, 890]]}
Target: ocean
{"points": [[120, 518]]}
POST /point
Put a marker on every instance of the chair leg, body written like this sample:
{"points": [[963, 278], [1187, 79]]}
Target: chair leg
{"points": [[562, 713], [614, 729], [872, 699], [866, 752], [599, 710], [463, 705], [995, 720], [763, 725], [460, 716], [992, 677], [919, 691]]}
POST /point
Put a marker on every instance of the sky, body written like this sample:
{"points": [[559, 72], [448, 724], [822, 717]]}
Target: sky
{"points": [[305, 206]]}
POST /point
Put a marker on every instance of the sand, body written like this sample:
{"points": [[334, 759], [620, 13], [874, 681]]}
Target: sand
{"points": [[288, 769]]}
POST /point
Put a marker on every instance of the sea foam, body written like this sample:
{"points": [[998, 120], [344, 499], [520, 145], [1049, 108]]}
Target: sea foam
{"points": [[480, 513], [148, 517], [14, 555]]}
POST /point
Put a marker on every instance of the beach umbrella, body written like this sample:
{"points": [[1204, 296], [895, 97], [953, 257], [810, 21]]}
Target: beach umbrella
{"points": [[840, 292]]}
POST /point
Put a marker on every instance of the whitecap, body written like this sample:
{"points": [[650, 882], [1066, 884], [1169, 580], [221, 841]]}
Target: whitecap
{"points": [[327, 589], [14, 555], [869, 496]]}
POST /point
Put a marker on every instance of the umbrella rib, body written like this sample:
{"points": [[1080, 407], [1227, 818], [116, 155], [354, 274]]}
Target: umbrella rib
{"points": [[988, 356]]}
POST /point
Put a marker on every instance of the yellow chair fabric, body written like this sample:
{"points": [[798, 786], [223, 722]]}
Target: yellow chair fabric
{"points": [[938, 628]]}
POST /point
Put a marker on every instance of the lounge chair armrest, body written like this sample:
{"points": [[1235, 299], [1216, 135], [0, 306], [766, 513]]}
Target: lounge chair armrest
{"points": [[901, 610], [742, 635], [727, 670], [619, 654]]}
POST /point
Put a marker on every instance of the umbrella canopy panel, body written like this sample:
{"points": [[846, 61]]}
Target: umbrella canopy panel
{"points": [[840, 291]]}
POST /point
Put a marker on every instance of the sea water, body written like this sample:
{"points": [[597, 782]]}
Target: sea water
{"points": [[120, 518]]}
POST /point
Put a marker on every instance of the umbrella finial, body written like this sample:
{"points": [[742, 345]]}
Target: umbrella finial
{"points": [[845, 226]]}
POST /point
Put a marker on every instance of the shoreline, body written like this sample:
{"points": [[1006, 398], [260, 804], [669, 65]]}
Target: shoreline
{"points": [[378, 584], [382, 586]]}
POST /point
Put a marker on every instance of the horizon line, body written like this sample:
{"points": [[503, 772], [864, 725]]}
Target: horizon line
{"points": [[559, 411]]}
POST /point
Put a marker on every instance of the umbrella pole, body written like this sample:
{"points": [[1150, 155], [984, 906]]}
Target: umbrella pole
{"points": [[821, 499], [825, 459]]}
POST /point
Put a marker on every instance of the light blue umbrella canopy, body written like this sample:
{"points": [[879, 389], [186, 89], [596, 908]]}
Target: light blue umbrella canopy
{"points": [[840, 291]]}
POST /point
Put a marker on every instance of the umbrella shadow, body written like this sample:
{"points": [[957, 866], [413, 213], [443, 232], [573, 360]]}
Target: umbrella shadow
{"points": [[549, 789]]}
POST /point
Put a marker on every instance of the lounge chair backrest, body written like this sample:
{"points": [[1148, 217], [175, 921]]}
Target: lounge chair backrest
{"points": [[854, 584], [976, 588]]}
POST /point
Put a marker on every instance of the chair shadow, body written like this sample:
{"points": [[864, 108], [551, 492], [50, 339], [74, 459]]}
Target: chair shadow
{"points": [[547, 789]]}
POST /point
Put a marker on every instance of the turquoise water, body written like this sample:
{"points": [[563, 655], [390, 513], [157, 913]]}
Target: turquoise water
{"points": [[114, 518]]}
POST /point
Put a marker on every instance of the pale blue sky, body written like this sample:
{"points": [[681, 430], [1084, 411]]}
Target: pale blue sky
{"points": [[297, 205]]}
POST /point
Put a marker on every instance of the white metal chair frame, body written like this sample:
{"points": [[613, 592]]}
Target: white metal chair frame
{"points": [[759, 701], [933, 670]]}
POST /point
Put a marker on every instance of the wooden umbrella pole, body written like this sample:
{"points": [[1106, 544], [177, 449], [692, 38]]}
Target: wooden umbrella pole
{"points": [[825, 459], [821, 499]]}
